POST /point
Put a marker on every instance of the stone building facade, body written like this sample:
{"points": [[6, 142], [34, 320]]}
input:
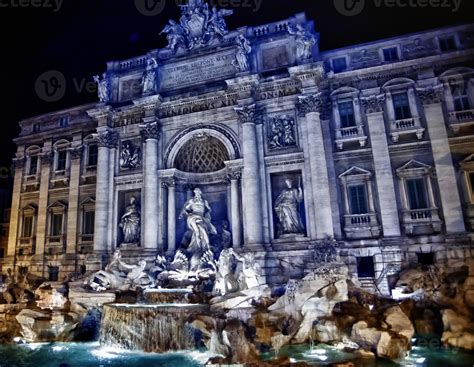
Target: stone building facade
{"points": [[377, 138], [5, 203]]}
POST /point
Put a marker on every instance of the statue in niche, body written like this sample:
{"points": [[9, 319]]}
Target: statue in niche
{"points": [[282, 132], [198, 256], [149, 77], [103, 87], [130, 223], [129, 156], [241, 61], [304, 42], [287, 209]]}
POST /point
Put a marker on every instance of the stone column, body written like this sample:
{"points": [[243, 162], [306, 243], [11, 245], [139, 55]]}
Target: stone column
{"points": [[170, 184], [41, 226], [15, 216], [107, 140], [251, 189], [73, 206], [445, 174], [310, 107], [236, 228], [383, 166], [150, 134]]}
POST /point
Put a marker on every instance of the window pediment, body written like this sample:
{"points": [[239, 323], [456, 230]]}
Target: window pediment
{"points": [[355, 174], [467, 163], [414, 168], [58, 206]]}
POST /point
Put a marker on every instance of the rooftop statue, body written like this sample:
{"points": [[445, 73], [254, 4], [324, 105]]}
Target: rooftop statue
{"points": [[198, 26], [103, 86], [305, 41]]}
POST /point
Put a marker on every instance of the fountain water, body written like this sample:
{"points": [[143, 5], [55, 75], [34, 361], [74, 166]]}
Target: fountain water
{"points": [[150, 328]]}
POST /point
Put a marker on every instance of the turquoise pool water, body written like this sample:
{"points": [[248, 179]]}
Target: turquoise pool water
{"points": [[92, 355]]}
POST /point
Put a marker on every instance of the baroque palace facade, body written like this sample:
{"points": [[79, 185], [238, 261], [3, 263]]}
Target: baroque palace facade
{"points": [[372, 145]]}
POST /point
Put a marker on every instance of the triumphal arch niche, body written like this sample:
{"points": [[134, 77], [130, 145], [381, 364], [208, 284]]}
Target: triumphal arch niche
{"points": [[211, 121]]}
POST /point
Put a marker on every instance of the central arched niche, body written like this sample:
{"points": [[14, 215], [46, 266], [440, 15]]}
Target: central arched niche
{"points": [[202, 153]]}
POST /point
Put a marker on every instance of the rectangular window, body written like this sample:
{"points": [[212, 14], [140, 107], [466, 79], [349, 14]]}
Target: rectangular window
{"points": [[53, 272], [27, 227], [33, 165], [88, 222], [417, 194], [401, 105], [92, 155], [365, 267], [64, 121], [346, 112], [391, 54], [62, 158], [2, 252], [56, 225], [36, 128], [358, 199], [460, 98], [339, 64], [447, 44]]}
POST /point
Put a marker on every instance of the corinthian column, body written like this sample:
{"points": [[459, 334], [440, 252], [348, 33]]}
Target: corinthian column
{"points": [[170, 184], [151, 135], [445, 173], [251, 191], [373, 106], [234, 178], [310, 107], [107, 140]]}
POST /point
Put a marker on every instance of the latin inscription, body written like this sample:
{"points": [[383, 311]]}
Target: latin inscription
{"points": [[202, 70]]}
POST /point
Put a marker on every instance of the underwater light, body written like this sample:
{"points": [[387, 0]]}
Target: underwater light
{"points": [[420, 360], [57, 348]]}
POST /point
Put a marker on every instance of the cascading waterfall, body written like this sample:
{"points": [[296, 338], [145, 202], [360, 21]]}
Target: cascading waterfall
{"points": [[149, 328]]}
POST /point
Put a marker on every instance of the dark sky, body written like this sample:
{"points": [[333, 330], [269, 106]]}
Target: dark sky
{"points": [[80, 36]]}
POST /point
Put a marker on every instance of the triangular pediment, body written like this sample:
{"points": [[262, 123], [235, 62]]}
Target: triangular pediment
{"points": [[469, 159], [88, 201], [30, 208], [355, 171], [58, 204], [413, 165]]}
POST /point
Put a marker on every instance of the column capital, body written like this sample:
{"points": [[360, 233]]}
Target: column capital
{"points": [[431, 95], [250, 114], [168, 182], [234, 174], [76, 152], [150, 130], [310, 103], [107, 139], [374, 104]]}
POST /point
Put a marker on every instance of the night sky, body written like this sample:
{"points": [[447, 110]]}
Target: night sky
{"points": [[80, 36]]}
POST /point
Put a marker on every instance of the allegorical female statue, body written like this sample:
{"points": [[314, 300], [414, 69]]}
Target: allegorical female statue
{"points": [[198, 215], [130, 223], [287, 209]]}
